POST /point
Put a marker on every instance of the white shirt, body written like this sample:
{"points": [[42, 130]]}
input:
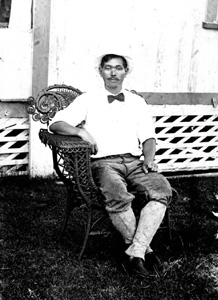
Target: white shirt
{"points": [[117, 127]]}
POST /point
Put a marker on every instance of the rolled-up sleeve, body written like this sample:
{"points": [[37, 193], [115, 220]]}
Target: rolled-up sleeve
{"points": [[146, 126], [75, 113]]}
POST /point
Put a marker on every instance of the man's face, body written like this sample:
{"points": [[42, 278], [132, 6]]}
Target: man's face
{"points": [[113, 73]]}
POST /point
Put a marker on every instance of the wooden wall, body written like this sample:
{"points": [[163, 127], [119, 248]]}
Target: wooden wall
{"points": [[172, 52]]}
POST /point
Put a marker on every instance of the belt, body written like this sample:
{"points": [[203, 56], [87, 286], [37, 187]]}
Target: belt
{"points": [[125, 155]]}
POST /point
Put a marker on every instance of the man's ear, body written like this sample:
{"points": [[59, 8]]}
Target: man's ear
{"points": [[126, 70], [100, 70]]}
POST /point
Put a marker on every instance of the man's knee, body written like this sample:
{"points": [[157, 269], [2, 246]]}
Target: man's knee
{"points": [[165, 201], [119, 203], [162, 191]]}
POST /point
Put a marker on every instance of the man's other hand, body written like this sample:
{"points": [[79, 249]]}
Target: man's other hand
{"points": [[87, 137], [150, 167]]}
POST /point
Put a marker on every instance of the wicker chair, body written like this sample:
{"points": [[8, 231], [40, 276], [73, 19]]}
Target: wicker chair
{"points": [[71, 156]]}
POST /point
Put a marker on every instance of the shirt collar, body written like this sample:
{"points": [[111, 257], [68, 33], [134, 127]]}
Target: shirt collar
{"points": [[109, 93]]}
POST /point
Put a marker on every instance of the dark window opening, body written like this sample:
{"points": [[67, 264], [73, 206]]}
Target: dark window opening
{"points": [[5, 11]]}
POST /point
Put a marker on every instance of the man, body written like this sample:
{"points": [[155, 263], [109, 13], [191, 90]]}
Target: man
{"points": [[120, 131]]}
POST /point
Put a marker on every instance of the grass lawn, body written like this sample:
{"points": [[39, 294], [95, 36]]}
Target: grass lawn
{"points": [[36, 264]]}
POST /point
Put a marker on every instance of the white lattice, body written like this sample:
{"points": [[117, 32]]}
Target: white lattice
{"points": [[14, 146], [187, 137]]}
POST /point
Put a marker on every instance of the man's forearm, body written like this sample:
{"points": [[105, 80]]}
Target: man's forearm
{"points": [[149, 149], [67, 129], [64, 128]]}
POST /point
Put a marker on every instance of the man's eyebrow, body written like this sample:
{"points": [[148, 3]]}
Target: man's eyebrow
{"points": [[108, 65]]}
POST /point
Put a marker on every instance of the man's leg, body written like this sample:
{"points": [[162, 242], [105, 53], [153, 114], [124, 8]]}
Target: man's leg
{"points": [[109, 177], [151, 217], [157, 191]]}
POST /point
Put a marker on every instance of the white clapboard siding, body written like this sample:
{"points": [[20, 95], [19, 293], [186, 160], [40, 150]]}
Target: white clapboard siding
{"points": [[170, 49]]}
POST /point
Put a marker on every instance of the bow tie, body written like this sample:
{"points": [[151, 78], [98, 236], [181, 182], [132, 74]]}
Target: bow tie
{"points": [[119, 97]]}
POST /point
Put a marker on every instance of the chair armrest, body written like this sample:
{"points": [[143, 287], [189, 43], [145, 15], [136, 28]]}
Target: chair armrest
{"points": [[63, 141], [72, 163]]}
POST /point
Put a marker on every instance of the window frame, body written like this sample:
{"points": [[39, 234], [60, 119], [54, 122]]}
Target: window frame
{"points": [[211, 17]]}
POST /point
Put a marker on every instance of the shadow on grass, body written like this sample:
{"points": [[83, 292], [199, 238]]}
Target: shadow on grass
{"points": [[37, 265]]}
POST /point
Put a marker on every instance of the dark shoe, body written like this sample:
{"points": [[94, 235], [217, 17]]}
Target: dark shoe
{"points": [[121, 257], [136, 267], [152, 262]]}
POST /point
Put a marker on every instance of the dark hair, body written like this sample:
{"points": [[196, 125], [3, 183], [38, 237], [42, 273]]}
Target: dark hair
{"points": [[108, 57]]}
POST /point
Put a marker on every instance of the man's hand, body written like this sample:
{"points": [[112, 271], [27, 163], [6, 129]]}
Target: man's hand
{"points": [[149, 166], [87, 137], [149, 148]]}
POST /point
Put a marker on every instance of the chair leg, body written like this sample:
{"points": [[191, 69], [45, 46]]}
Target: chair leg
{"points": [[174, 197], [64, 226], [68, 209], [88, 228], [168, 223], [66, 218]]}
